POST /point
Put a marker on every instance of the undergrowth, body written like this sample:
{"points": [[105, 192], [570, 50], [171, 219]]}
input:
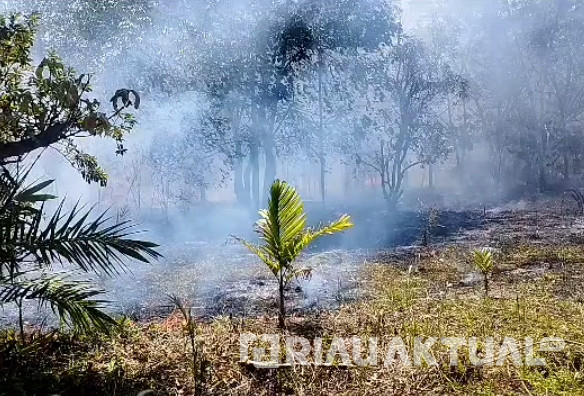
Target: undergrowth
{"points": [[424, 301]]}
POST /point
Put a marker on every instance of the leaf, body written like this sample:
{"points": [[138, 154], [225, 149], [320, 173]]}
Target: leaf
{"points": [[137, 100], [483, 260], [73, 301], [124, 96], [78, 237], [28, 195]]}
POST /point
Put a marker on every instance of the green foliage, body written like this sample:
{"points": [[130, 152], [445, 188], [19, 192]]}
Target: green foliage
{"points": [[71, 300], [398, 126], [47, 105], [282, 229], [31, 243], [483, 261]]}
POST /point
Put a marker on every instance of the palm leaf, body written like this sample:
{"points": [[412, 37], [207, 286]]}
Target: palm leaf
{"points": [[262, 254], [282, 222], [483, 260], [282, 229], [343, 223], [29, 240], [91, 245], [72, 300], [29, 194]]}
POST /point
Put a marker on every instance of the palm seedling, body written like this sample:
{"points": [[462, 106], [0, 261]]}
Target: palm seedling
{"points": [[284, 235], [483, 261], [31, 243]]}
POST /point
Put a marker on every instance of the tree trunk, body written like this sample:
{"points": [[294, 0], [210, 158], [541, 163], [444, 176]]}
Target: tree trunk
{"points": [[270, 171], [247, 175], [238, 183], [241, 189], [542, 159], [542, 182], [460, 153], [255, 175], [431, 176], [282, 303], [321, 154], [322, 160], [392, 201], [203, 192], [268, 136]]}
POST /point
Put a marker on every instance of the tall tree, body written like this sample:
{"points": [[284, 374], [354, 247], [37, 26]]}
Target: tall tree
{"points": [[400, 128], [339, 30]]}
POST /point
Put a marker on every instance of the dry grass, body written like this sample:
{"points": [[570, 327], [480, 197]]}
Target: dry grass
{"points": [[426, 301]]}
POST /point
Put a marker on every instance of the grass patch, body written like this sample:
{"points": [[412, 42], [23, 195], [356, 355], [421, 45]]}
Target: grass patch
{"points": [[423, 301]]}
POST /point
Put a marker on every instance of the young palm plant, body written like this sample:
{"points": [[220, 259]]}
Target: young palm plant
{"points": [[31, 243], [483, 261], [282, 229]]}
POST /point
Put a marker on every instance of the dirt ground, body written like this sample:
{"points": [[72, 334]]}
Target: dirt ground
{"points": [[419, 289]]}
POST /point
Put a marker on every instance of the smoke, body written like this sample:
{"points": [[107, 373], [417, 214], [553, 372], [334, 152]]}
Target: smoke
{"points": [[203, 70]]}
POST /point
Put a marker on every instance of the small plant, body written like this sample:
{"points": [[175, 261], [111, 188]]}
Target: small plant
{"points": [[483, 261], [432, 223], [282, 229], [190, 329]]}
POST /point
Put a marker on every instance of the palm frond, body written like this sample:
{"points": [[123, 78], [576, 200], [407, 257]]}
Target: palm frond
{"points": [[91, 245], [262, 254], [282, 228], [343, 223], [72, 300], [18, 218], [29, 244], [285, 221], [291, 215], [29, 194], [483, 260]]}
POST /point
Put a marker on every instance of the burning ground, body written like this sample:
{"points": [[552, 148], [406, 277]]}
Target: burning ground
{"points": [[222, 278], [218, 277]]}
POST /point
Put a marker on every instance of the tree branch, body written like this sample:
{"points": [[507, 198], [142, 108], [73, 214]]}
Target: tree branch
{"points": [[21, 147]]}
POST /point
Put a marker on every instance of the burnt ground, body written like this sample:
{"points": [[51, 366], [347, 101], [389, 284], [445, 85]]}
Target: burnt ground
{"points": [[224, 279], [218, 277]]}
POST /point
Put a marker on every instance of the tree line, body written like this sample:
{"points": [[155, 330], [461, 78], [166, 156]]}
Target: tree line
{"points": [[495, 90]]}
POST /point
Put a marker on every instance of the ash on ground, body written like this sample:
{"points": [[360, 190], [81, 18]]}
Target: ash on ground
{"points": [[225, 279]]}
